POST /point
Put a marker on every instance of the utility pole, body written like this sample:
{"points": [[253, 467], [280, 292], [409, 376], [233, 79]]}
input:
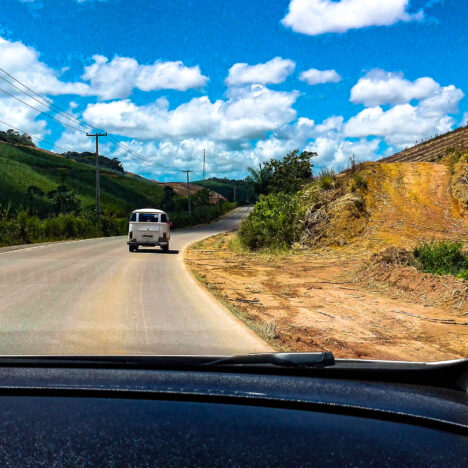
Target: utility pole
{"points": [[204, 164], [188, 192], [98, 179]]}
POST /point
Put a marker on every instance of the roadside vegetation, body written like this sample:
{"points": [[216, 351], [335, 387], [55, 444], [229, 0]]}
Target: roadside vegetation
{"points": [[46, 196], [296, 208], [240, 191], [442, 258]]}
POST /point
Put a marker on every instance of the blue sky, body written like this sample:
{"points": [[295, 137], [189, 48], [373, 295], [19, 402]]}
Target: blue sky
{"points": [[172, 77]]}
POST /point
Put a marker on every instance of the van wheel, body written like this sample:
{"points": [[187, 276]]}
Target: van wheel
{"points": [[165, 248], [131, 248]]}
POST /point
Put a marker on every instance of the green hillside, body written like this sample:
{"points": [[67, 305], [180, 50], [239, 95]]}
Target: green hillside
{"points": [[225, 187], [23, 167], [46, 197]]}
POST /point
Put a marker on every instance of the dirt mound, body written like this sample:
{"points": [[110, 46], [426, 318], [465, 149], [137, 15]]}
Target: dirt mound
{"points": [[336, 222], [394, 256], [394, 270], [390, 204]]}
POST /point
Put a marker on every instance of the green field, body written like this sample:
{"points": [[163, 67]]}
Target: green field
{"points": [[22, 167]]}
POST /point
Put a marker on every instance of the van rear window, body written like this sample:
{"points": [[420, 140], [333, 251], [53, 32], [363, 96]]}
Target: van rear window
{"points": [[163, 218], [133, 217], [148, 218]]}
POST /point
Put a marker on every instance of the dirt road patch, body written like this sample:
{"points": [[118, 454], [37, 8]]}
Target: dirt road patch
{"points": [[309, 301]]}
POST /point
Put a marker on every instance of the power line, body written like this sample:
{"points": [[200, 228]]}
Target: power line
{"points": [[42, 112], [51, 103], [35, 138], [74, 120], [64, 113], [70, 117]]}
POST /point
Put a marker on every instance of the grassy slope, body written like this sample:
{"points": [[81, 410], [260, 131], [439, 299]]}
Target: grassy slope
{"points": [[22, 167], [226, 189]]}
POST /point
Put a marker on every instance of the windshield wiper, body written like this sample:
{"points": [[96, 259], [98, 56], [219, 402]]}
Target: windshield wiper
{"points": [[306, 360]]}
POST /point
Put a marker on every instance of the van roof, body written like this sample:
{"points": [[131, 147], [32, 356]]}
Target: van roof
{"points": [[148, 210]]}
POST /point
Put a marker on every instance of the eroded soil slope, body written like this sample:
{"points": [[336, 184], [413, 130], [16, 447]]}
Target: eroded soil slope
{"points": [[334, 298], [408, 203]]}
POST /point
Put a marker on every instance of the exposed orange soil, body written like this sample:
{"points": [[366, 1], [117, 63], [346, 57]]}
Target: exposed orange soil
{"points": [[326, 299]]}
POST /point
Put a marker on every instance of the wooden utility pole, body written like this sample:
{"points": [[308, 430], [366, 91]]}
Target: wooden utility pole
{"points": [[98, 179], [204, 164], [188, 192]]}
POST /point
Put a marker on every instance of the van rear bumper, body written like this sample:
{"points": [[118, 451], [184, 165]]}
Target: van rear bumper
{"points": [[161, 242]]}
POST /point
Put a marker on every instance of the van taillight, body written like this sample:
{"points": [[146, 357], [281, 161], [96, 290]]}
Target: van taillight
{"points": [[164, 235], [131, 235]]}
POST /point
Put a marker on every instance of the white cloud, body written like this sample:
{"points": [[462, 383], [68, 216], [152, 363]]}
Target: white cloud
{"points": [[379, 87], [335, 152], [404, 123], [117, 78], [324, 16], [170, 75], [247, 114], [274, 71], [22, 117], [23, 63], [314, 76]]}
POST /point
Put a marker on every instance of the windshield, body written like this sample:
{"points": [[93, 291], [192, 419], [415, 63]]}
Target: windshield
{"points": [[220, 178], [148, 218]]}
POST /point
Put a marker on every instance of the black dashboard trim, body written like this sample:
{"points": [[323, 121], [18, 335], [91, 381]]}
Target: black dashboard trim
{"points": [[302, 405]]}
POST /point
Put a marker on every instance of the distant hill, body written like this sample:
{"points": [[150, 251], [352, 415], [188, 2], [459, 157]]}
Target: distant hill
{"points": [[90, 158], [22, 167], [180, 188], [244, 191]]}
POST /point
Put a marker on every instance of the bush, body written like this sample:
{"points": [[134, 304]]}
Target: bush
{"points": [[358, 182], [23, 228], [326, 179], [201, 214], [273, 223], [442, 258]]}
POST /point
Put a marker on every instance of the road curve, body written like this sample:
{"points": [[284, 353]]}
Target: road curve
{"points": [[94, 297]]}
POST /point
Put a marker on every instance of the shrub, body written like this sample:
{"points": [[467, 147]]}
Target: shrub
{"points": [[358, 182], [273, 223], [23, 228], [442, 258], [201, 214], [326, 179]]}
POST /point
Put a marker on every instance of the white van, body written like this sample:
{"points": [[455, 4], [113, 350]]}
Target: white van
{"points": [[149, 228]]}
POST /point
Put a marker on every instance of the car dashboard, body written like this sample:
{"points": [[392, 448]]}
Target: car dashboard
{"points": [[162, 417]]}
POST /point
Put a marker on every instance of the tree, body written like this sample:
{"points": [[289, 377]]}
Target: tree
{"points": [[14, 137], [201, 198], [34, 191], [64, 200], [259, 178], [63, 172], [168, 203], [289, 174]]}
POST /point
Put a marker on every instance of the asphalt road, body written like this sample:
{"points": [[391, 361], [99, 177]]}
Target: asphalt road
{"points": [[94, 297]]}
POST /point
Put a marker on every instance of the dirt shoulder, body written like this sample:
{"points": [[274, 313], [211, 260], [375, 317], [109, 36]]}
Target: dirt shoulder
{"points": [[316, 300]]}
